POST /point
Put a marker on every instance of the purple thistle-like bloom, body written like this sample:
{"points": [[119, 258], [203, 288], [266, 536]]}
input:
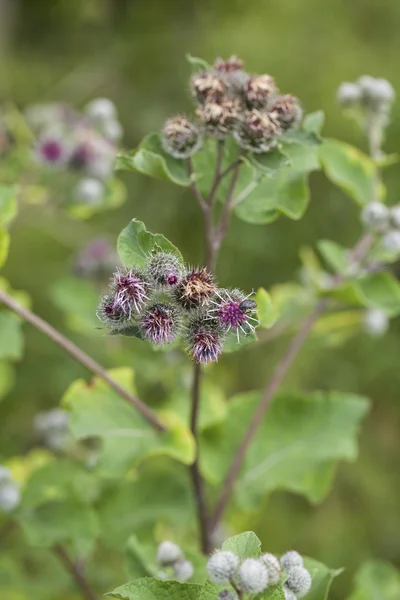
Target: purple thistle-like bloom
{"points": [[165, 269], [82, 156], [159, 323], [204, 340], [130, 289], [111, 313], [234, 310], [51, 151]]}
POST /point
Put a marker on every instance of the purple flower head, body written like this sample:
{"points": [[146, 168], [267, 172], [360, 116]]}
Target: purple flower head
{"points": [[111, 313], [204, 339], [51, 150], [130, 288], [160, 323], [234, 310], [96, 258], [82, 155], [165, 269]]}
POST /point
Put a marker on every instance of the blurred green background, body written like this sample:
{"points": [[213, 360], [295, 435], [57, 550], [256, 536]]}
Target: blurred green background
{"points": [[132, 51]]}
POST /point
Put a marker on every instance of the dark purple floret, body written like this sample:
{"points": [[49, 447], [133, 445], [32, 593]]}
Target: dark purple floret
{"points": [[159, 324], [231, 314], [130, 290], [81, 156], [206, 347], [51, 150]]}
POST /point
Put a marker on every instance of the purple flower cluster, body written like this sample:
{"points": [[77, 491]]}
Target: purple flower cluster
{"points": [[168, 302], [229, 102]]}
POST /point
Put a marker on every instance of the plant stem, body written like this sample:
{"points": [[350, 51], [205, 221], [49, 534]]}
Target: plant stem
{"points": [[75, 572], [81, 356], [227, 209], [197, 480]]}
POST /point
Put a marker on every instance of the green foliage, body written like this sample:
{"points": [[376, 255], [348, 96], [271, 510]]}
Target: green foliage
{"points": [[265, 309], [136, 244], [244, 545], [4, 246], [322, 578], [335, 256], [11, 338], [376, 579], [154, 589], [8, 204]]}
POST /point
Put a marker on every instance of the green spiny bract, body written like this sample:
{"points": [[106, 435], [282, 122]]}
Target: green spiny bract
{"points": [[298, 581], [252, 576], [165, 269], [222, 566]]}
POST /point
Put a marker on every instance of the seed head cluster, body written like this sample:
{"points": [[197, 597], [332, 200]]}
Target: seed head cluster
{"points": [[171, 557], [166, 301], [232, 102]]}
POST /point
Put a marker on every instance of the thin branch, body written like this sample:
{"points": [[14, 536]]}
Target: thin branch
{"points": [[194, 189], [75, 572], [81, 356], [226, 211], [198, 483], [270, 390], [231, 167], [218, 175]]}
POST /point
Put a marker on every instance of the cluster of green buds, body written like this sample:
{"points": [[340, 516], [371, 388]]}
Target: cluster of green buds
{"points": [[171, 557], [167, 302], [252, 576], [232, 102]]}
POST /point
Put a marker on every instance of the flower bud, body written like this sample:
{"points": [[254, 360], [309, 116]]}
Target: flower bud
{"points": [[252, 576], [273, 567], [230, 65], [165, 269], [130, 289], [298, 581], [219, 118], [288, 593], [183, 570], [259, 90], [112, 313], [376, 322], [180, 137], [257, 131], [348, 94], [168, 553], [287, 110], [101, 110], [10, 496], [52, 150], [376, 93], [89, 191], [291, 559], [208, 86], [222, 566], [204, 339], [160, 323], [391, 241], [375, 216]]}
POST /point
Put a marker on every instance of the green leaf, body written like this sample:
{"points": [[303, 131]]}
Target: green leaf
{"points": [[98, 411], [295, 448], [4, 246], [350, 169], [302, 158], [199, 64], [8, 204], [136, 561], [297, 136], [7, 378], [270, 161], [322, 578], [153, 589], [334, 255], [377, 580], [78, 299], [135, 244], [233, 345], [244, 545], [293, 194], [314, 122], [272, 593], [265, 308], [11, 338], [151, 159]]}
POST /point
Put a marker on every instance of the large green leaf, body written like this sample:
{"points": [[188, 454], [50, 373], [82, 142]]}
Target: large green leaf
{"points": [[295, 448], [334, 254], [151, 159], [350, 169], [322, 578], [265, 309], [7, 378], [244, 545], [8, 203], [11, 338], [136, 244], [314, 122], [377, 580], [98, 411], [148, 588], [4, 246], [137, 563]]}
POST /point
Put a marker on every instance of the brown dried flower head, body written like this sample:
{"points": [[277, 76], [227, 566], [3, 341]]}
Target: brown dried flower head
{"points": [[195, 289], [208, 86], [288, 111], [258, 90], [233, 63], [180, 138], [257, 131], [219, 119]]}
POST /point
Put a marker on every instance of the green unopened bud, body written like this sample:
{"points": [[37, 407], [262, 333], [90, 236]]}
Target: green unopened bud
{"points": [[168, 553]]}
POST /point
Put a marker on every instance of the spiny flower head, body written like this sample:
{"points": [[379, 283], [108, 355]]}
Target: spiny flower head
{"points": [[257, 131], [160, 323], [287, 110], [111, 313], [252, 576], [298, 581], [273, 567], [204, 340], [219, 118], [233, 63], [130, 288], [234, 310], [180, 137], [52, 150], [259, 90], [165, 269], [291, 559], [208, 86], [183, 570], [221, 566], [168, 553], [195, 289]]}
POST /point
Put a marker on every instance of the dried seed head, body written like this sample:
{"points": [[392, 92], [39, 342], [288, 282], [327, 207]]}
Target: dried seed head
{"points": [[111, 313], [234, 310], [180, 137], [291, 559], [288, 111], [221, 567], [259, 90], [257, 131], [160, 323], [299, 581], [195, 289], [165, 269], [273, 567], [204, 340], [183, 570], [233, 63], [131, 289], [168, 553], [252, 576], [219, 119], [348, 94], [376, 322], [208, 86]]}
